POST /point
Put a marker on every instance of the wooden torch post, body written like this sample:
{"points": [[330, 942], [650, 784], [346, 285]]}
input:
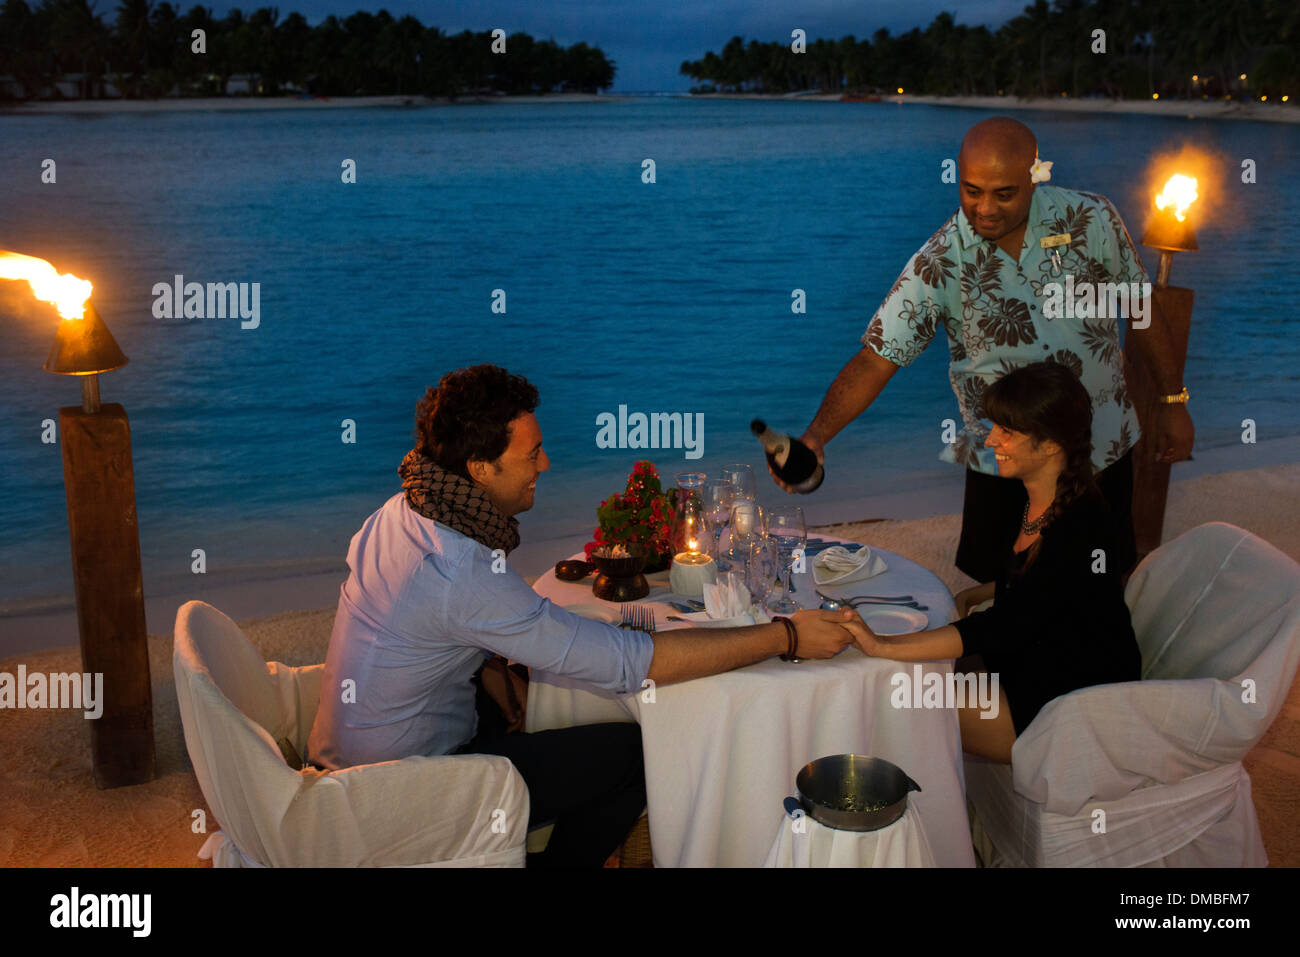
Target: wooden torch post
{"points": [[100, 484], [1171, 307]]}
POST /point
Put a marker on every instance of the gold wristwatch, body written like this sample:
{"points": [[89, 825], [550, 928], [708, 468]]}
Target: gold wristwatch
{"points": [[1178, 399]]}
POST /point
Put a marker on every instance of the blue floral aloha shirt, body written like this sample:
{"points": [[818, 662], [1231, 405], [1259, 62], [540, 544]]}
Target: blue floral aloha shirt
{"points": [[992, 310]]}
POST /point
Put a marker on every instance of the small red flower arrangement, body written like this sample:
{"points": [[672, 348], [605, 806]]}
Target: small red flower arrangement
{"points": [[641, 515]]}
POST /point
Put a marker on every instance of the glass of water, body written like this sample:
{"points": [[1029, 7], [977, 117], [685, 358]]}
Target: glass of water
{"points": [[718, 498], [785, 525]]}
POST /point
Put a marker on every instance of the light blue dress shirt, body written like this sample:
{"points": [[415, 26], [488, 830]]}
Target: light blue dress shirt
{"points": [[421, 610]]}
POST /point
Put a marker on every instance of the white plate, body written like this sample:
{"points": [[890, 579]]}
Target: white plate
{"points": [[893, 621], [595, 611]]}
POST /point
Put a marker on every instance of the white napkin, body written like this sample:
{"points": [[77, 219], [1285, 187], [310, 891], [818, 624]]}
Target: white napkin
{"points": [[728, 604], [728, 598], [838, 566]]}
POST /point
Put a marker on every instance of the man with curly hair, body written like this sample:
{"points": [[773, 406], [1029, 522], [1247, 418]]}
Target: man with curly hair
{"points": [[989, 278], [430, 598]]}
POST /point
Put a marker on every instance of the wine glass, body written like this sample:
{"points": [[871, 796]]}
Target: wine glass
{"points": [[718, 496], [742, 479], [747, 523], [762, 564], [785, 524]]}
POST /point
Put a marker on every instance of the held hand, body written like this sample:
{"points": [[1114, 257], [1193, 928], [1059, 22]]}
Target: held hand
{"points": [[969, 597], [869, 642], [824, 634], [814, 442], [1174, 433]]}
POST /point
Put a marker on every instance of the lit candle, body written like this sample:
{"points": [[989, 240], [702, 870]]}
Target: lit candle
{"points": [[692, 569]]}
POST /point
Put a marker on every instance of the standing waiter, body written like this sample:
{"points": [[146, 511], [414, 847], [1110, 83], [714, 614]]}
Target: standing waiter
{"points": [[983, 277]]}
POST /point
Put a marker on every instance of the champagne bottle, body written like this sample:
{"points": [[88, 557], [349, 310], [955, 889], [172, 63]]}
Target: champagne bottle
{"points": [[793, 462]]}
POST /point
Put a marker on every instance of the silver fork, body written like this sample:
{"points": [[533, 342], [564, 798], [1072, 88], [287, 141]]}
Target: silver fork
{"points": [[637, 617]]}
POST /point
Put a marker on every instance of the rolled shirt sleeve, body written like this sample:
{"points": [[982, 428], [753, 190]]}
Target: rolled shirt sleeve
{"points": [[501, 613]]}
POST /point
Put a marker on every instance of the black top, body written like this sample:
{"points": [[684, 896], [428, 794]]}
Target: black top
{"points": [[1058, 625]]}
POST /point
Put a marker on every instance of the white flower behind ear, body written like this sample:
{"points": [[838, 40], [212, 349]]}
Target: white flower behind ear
{"points": [[1040, 172]]}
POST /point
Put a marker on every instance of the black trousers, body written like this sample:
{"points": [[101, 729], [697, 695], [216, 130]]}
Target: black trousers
{"points": [[590, 780], [994, 506]]}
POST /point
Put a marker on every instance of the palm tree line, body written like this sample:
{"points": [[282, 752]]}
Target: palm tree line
{"points": [[1152, 47], [145, 50]]}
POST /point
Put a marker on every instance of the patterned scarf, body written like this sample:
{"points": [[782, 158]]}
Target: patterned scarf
{"points": [[456, 502]]}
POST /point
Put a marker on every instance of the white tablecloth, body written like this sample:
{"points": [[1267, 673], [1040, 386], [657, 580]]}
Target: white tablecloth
{"points": [[802, 842], [721, 753]]}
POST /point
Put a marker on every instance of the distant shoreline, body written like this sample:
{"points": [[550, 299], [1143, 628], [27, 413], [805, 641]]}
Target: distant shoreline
{"points": [[1192, 109], [248, 103]]}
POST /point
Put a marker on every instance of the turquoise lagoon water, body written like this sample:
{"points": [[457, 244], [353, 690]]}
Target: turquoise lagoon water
{"points": [[665, 297]]}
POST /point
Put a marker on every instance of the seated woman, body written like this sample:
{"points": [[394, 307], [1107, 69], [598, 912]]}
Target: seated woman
{"points": [[1058, 622]]}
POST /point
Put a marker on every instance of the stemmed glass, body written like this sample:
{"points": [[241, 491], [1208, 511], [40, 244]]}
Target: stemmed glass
{"points": [[747, 523], [718, 496], [786, 525], [762, 563], [741, 478]]}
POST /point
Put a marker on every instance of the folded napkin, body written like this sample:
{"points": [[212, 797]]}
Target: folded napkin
{"points": [[839, 566], [727, 598], [728, 604]]}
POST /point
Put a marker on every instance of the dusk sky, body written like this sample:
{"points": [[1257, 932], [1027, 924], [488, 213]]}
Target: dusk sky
{"points": [[649, 40]]}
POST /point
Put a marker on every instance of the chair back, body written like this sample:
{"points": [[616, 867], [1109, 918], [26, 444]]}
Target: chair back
{"points": [[1210, 603], [232, 718]]}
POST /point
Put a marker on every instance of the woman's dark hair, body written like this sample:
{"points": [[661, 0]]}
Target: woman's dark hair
{"points": [[1046, 400], [468, 415]]}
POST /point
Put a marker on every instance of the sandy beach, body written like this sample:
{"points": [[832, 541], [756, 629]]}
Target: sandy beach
{"points": [[54, 816], [1269, 112], [261, 591], [1191, 109], [235, 103]]}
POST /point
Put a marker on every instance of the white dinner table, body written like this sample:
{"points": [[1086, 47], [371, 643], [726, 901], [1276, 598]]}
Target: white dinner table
{"points": [[722, 752]]}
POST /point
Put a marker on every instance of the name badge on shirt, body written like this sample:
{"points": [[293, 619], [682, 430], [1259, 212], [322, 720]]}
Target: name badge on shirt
{"points": [[1060, 239]]}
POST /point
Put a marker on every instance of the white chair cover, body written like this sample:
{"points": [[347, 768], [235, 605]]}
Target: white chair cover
{"points": [[1217, 616], [416, 812]]}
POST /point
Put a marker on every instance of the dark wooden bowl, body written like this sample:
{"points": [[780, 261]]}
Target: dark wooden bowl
{"points": [[620, 579]]}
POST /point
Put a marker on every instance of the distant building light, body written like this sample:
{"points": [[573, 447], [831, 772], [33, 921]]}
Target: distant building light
{"points": [[1195, 78], [900, 89], [1263, 99], [1242, 77], [1155, 96], [1285, 98]]}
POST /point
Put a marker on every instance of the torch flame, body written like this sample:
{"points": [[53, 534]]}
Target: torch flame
{"points": [[1180, 193], [66, 292]]}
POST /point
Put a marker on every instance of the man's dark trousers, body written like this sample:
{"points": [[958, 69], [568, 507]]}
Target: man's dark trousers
{"points": [[590, 780]]}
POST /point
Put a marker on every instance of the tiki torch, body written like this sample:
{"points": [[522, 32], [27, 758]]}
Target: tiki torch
{"points": [[1169, 231], [100, 485]]}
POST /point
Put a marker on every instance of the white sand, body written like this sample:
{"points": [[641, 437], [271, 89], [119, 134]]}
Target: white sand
{"points": [[175, 104], [921, 522], [52, 814], [1271, 112]]}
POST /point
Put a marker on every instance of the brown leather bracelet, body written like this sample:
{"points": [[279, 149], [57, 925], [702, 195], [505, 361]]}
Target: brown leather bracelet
{"points": [[792, 636]]}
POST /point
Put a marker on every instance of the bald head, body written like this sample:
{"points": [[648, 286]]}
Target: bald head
{"points": [[993, 169], [1000, 138]]}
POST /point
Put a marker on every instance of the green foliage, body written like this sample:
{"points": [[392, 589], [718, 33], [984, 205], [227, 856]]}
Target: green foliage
{"points": [[1151, 47], [144, 48], [641, 515]]}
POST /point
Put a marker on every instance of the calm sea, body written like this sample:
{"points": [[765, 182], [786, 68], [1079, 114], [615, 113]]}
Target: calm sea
{"points": [[670, 297]]}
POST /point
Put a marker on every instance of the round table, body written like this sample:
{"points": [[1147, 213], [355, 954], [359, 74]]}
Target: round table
{"points": [[722, 752]]}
